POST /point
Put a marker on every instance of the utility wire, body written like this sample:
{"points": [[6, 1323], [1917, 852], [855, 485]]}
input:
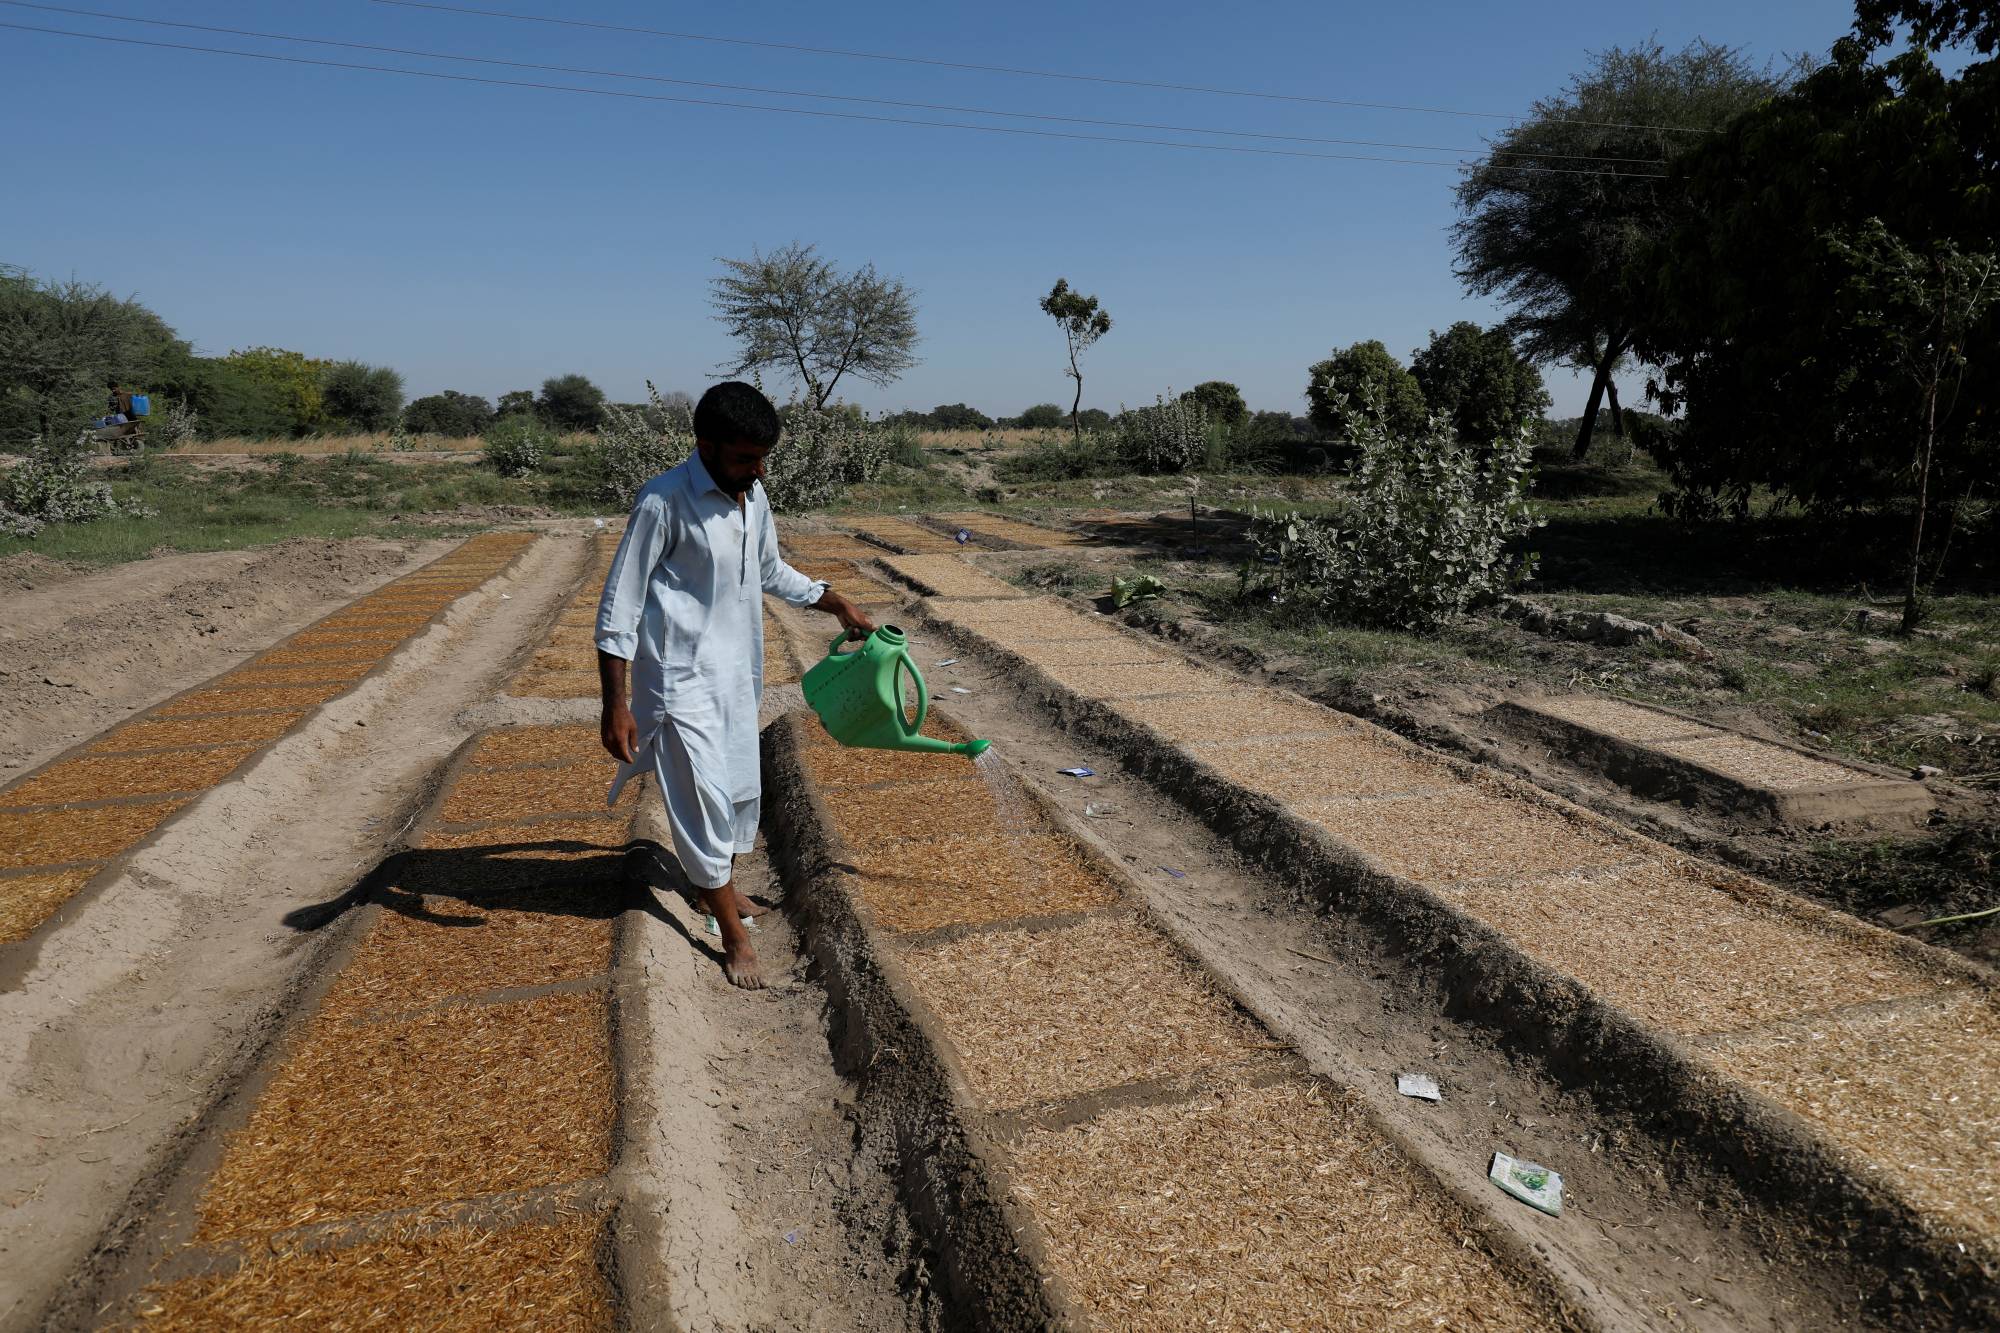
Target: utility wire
{"points": [[801, 111], [832, 97], [1009, 69]]}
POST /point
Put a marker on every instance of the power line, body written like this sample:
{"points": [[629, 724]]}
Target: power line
{"points": [[834, 97], [1009, 69], [798, 111]]}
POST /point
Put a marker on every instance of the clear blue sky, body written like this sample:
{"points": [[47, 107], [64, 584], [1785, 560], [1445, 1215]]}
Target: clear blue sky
{"points": [[483, 238]]}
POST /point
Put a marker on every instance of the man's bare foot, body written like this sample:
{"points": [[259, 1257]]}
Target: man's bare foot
{"points": [[739, 956], [745, 907], [741, 965]]}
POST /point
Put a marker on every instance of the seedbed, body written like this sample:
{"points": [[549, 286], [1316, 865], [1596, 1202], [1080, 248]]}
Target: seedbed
{"points": [[56, 837], [948, 576], [95, 779], [165, 735], [1464, 834], [251, 699], [924, 885], [27, 900], [523, 793], [1326, 768]]}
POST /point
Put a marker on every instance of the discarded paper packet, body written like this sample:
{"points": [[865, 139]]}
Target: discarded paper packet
{"points": [[1177, 874], [949, 661], [1534, 1185], [963, 536], [1419, 1085], [1078, 772], [960, 689]]}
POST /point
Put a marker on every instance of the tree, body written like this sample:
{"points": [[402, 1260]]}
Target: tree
{"points": [[448, 413], [367, 396], [1222, 401], [59, 344], [958, 416], [513, 401], [1933, 24], [295, 376], [1475, 377], [570, 402], [1042, 416], [793, 311], [1561, 243], [1082, 323], [1092, 418], [1362, 374]]}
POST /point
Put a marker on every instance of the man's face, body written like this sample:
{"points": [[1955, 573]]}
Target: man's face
{"points": [[734, 466]]}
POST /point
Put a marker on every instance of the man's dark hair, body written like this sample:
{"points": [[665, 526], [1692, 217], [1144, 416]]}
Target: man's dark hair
{"points": [[736, 413]]}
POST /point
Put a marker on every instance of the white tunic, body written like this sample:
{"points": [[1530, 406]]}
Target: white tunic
{"points": [[682, 603]]}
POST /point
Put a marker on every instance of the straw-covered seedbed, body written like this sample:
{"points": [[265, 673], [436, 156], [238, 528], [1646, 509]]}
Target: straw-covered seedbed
{"points": [[536, 745], [360, 619], [1095, 681], [1258, 1208], [100, 779], [1915, 1091], [1465, 834], [533, 1277], [53, 837], [512, 856], [1028, 620], [1113, 650], [476, 943], [835, 766], [1617, 718], [836, 572], [949, 576], [453, 1104], [1008, 530], [27, 900], [828, 548], [1323, 768], [555, 685], [574, 639], [162, 735], [251, 699], [1756, 764], [564, 659], [915, 810], [319, 674], [1637, 936], [380, 635], [578, 618], [363, 654], [524, 793], [1242, 714], [958, 879], [1044, 1016], [905, 536]]}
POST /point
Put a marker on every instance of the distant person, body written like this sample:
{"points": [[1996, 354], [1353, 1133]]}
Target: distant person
{"points": [[684, 602]]}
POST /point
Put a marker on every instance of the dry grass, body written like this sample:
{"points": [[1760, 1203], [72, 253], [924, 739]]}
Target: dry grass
{"points": [[966, 879], [95, 779], [367, 654], [382, 635], [324, 672], [373, 441], [1044, 1016], [574, 639], [1637, 936], [1756, 764], [1241, 715], [1323, 768], [555, 685], [449, 1105], [524, 793], [1465, 834], [251, 699], [949, 576], [52, 837], [373, 620], [957, 804], [197, 731], [530, 1278], [1266, 1208], [564, 659], [1618, 718], [1916, 1093], [1097, 681], [536, 745], [27, 900], [474, 942]]}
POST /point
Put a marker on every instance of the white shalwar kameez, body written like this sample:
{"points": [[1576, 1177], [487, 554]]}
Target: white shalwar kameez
{"points": [[683, 603]]}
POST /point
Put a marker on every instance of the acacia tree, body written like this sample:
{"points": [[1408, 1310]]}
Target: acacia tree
{"points": [[1475, 377], [60, 342], [368, 396], [794, 312], [1082, 323], [1558, 214]]}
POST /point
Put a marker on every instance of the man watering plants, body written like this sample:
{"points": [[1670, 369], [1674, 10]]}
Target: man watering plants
{"points": [[682, 614]]}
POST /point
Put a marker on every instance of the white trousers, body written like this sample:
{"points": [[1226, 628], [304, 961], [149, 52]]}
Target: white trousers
{"points": [[709, 826]]}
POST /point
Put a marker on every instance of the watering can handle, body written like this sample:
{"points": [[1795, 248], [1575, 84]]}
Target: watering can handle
{"points": [[923, 698]]}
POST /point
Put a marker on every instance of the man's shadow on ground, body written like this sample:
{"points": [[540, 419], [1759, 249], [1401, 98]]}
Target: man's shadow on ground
{"points": [[455, 888]]}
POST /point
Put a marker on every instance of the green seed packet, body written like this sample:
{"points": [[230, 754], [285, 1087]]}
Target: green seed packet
{"points": [[1534, 1185]]}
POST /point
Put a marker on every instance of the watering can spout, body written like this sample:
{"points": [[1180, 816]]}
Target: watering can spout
{"points": [[859, 697]]}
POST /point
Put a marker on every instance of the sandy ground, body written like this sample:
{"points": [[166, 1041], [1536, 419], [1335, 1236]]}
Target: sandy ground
{"points": [[163, 987], [82, 648]]}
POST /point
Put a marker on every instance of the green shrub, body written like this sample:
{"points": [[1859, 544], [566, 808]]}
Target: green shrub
{"points": [[1423, 535], [822, 453], [1170, 436], [1059, 458], [518, 445], [1042, 416], [51, 486], [634, 445]]}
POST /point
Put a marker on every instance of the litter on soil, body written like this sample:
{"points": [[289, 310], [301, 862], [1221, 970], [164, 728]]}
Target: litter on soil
{"points": [[1532, 1184], [1419, 1085]]}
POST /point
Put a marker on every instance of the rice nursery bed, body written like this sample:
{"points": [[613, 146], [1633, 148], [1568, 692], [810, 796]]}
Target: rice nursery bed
{"points": [[1097, 681], [1009, 530], [530, 1278], [906, 536], [1042, 1016], [1754, 967], [1326, 768], [959, 879], [1628, 721], [949, 576], [828, 548], [365, 655], [536, 745], [523, 793], [1756, 764], [1242, 714], [99, 779], [1465, 834], [1029, 620], [54, 837], [915, 810], [459, 1103], [1908, 1089], [1257, 1208], [197, 731], [27, 900], [555, 685], [321, 674], [355, 635], [225, 699]]}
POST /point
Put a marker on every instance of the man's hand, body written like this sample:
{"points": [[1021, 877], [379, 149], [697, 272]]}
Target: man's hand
{"points": [[859, 626], [619, 731]]}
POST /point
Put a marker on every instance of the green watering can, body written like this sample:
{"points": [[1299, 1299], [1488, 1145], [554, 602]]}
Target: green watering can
{"points": [[859, 697]]}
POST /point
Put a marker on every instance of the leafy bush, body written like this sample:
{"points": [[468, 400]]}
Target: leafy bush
{"points": [[1423, 535], [518, 445], [448, 413], [822, 453], [1042, 416], [635, 445], [179, 424], [50, 486], [567, 403], [370, 397], [1170, 436], [904, 443], [1058, 458], [1364, 373]]}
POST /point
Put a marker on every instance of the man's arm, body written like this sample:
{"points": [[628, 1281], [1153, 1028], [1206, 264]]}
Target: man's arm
{"points": [[620, 612], [617, 728], [858, 624]]}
